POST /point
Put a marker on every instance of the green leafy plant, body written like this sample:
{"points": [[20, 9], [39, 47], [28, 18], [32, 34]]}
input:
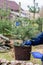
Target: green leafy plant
{"points": [[26, 29]]}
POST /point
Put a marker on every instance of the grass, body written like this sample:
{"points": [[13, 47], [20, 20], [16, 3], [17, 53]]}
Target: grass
{"points": [[34, 60], [7, 56]]}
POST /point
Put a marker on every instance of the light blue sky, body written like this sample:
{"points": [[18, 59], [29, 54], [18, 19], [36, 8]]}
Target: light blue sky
{"points": [[24, 3]]}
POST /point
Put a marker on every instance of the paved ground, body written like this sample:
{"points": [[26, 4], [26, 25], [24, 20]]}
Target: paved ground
{"points": [[5, 62]]}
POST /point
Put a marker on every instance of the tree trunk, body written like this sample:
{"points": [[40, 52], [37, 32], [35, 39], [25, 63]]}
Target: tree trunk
{"points": [[34, 10], [40, 26]]}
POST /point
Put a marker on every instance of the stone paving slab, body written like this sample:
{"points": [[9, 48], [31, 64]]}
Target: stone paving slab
{"points": [[5, 62]]}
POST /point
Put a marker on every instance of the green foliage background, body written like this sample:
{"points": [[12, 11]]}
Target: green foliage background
{"points": [[26, 30]]}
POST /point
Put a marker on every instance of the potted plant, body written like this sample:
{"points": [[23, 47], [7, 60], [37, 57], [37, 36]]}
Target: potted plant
{"points": [[22, 52]]}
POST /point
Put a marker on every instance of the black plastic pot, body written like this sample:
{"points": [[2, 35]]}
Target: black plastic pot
{"points": [[22, 52]]}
